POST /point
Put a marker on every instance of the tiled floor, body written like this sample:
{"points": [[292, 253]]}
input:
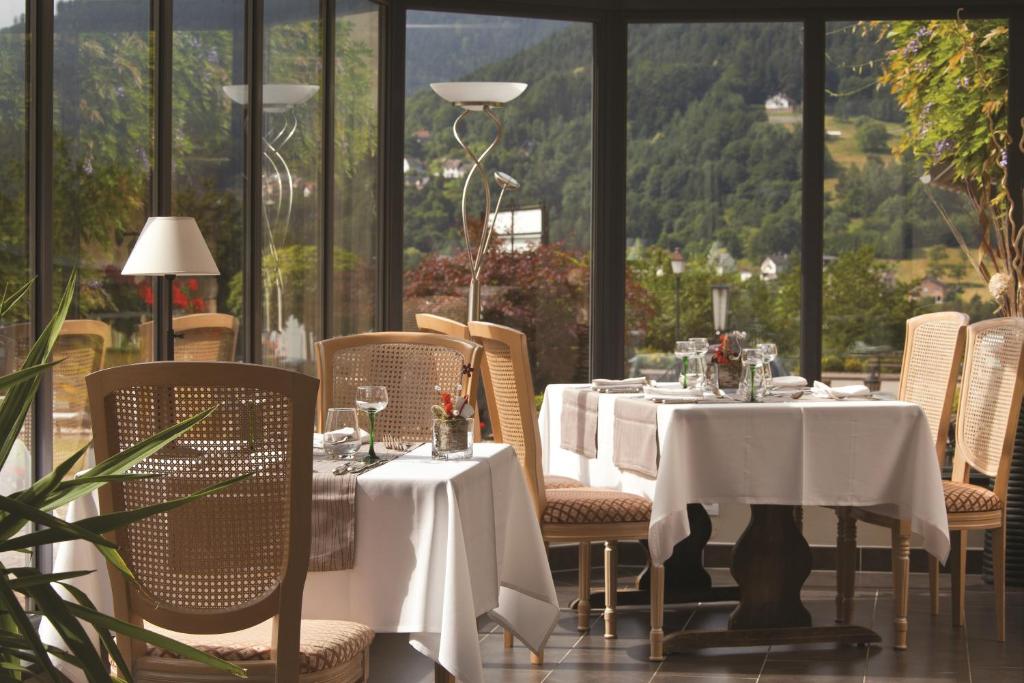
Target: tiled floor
{"points": [[938, 653]]}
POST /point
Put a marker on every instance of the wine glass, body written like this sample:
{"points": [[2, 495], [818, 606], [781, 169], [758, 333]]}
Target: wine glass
{"points": [[684, 351], [371, 400], [752, 380], [769, 352], [341, 433]]}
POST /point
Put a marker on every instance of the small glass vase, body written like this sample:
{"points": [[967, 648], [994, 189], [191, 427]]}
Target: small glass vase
{"points": [[452, 439]]}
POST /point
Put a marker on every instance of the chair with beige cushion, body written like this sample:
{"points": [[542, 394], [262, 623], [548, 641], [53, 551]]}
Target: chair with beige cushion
{"points": [[576, 515], [198, 336], [224, 573], [409, 364], [933, 351]]}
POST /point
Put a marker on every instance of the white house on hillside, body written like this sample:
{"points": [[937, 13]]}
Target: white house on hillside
{"points": [[779, 103], [773, 266]]}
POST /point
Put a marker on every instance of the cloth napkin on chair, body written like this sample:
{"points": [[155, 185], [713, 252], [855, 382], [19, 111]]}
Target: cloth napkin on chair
{"points": [[636, 437], [333, 536], [579, 422]]}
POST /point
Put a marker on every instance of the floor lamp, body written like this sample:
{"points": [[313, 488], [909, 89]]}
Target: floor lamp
{"points": [[168, 247]]}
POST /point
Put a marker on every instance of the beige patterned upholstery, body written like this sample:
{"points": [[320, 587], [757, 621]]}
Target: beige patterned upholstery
{"points": [[409, 364], [969, 498], [594, 506], [322, 644], [552, 481]]}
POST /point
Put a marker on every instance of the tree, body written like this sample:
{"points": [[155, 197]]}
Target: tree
{"points": [[871, 136]]}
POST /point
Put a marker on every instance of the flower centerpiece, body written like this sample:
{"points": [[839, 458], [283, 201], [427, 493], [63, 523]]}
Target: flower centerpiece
{"points": [[452, 432], [724, 362]]}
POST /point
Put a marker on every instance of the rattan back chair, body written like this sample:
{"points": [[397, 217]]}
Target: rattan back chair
{"points": [[199, 337], [932, 355], [986, 425], [410, 364], [580, 515], [229, 561], [81, 348]]}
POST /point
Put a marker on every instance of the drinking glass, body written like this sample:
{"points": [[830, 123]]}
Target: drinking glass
{"points": [[684, 352], [700, 359], [341, 433], [752, 380], [372, 400], [769, 352]]}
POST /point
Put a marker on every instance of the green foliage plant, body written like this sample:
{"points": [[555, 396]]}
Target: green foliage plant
{"points": [[26, 522]]}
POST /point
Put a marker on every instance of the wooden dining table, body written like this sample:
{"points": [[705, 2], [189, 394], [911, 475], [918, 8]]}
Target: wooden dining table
{"points": [[776, 456]]}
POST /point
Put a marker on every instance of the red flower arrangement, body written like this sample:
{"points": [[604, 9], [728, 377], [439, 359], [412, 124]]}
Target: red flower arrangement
{"points": [[454, 405], [184, 295]]}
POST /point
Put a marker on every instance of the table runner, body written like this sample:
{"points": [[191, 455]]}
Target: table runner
{"points": [[579, 421], [636, 437], [333, 539], [877, 455]]}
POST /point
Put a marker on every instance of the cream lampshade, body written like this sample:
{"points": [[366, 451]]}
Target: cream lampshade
{"points": [[170, 246]]}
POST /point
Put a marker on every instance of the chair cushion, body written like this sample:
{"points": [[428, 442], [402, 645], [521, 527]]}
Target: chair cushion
{"points": [[323, 644], [969, 498], [594, 506], [553, 482]]}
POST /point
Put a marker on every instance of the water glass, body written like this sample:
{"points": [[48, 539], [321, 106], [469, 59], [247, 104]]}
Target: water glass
{"points": [[769, 352], [372, 400], [341, 433], [751, 386], [700, 359]]}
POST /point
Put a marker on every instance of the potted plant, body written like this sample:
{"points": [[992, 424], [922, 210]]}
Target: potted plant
{"points": [[452, 430], [26, 521]]}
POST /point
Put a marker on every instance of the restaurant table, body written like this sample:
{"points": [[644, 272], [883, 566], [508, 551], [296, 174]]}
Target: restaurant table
{"points": [[438, 543], [774, 456]]}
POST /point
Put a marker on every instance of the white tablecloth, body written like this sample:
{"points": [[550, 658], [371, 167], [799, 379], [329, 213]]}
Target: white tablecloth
{"points": [[437, 544], [871, 454]]}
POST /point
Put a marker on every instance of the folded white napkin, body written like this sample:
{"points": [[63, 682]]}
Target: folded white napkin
{"points": [[629, 381], [675, 394], [789, 382], [822, 390], [631, 384]]}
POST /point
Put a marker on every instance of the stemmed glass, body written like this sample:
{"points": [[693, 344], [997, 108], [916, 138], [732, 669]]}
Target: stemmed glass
{"points": [[341, 434], [684, 350], [769, 352], [372, 400], [751, 383]]}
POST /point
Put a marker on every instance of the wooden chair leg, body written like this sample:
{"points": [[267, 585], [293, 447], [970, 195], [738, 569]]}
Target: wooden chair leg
{"points": [[441, 674], [583, 605], [509, 640], [958, 571], [537, 658], [611, 572], [901, 580], [657, 612], [846, 564], [999, 577], [933, 583]]}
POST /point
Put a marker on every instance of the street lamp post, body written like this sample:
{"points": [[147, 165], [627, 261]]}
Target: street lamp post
{"points": [[678, 265]]}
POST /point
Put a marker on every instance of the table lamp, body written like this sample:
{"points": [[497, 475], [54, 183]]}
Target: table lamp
{"points": [[170, 246]]}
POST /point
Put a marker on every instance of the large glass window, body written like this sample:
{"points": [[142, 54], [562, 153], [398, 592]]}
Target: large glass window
{"points": [[292, 157], [207, 182], [713, 185], [102, 152], [536, 275], [914, 115], [356, 77], [15, 329]]}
